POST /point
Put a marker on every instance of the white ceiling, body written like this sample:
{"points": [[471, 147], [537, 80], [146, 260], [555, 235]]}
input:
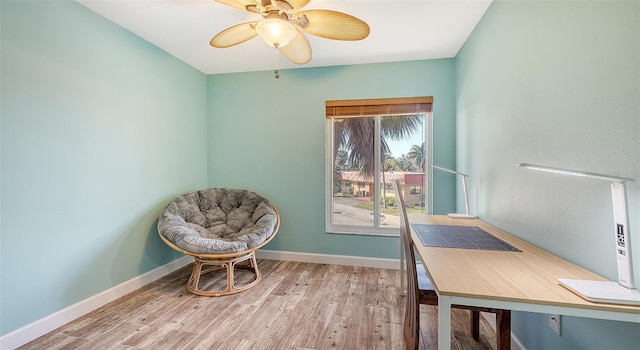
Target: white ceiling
{"points": [[400, 31]]}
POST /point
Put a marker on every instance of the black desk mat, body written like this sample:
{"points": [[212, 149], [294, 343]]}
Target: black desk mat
{"points": [[468, 237]]}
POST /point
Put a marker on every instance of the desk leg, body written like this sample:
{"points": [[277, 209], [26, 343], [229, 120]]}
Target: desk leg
{"points": [[444, 323]]}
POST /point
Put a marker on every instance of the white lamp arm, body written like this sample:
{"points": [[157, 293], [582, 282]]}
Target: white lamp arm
{"points": [[625, 291]]}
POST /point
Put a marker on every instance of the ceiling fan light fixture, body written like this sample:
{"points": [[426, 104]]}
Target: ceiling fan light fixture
{"points": [[276, 32]]}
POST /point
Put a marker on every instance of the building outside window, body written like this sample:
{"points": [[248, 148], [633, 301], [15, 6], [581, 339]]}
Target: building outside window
{"points": [[370, 144]]}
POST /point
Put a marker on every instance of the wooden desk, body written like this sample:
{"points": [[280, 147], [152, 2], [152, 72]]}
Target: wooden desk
{"points": [[522, 281]]}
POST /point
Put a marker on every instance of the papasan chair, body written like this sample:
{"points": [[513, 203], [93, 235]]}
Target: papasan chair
{"points": [[219, 228]]}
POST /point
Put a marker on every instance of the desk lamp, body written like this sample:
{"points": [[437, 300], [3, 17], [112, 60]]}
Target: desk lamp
{"points": [[624, 291], [466, 215]]}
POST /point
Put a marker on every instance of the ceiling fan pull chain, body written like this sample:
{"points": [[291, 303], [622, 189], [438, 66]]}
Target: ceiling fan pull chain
{"points": [[277, 72]]}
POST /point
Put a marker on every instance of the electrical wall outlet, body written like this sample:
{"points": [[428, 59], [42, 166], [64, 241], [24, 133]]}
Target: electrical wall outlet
{"points": [[554, 323]]}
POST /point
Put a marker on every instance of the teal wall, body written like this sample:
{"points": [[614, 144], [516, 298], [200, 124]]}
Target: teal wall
{"points": [[555, 83], [99, 129], [268, 135]]}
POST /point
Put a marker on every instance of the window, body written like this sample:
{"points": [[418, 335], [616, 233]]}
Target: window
{"points": [[370, 144]]}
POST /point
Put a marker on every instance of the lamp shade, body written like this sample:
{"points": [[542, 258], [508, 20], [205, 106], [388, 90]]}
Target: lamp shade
{"points": [[276, 32]]}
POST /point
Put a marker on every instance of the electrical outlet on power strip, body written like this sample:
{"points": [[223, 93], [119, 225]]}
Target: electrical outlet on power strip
{"points": [[554, 323]]}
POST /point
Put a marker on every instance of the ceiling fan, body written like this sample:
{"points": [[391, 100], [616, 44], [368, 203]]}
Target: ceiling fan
{"points": [[283, 26]]}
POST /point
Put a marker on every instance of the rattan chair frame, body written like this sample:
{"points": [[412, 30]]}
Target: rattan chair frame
{"points": [[227, 262]]}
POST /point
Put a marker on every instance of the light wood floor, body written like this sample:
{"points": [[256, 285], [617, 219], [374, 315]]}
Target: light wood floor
{"points": [[299, 306]]}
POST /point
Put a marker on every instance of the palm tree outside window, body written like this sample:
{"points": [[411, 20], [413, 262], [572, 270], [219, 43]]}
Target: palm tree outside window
{"points": [[370, 144]]}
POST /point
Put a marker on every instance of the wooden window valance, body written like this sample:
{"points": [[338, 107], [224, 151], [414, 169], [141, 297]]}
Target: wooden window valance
{"points": [[371, 107]]}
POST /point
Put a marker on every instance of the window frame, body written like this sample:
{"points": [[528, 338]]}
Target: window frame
{"points": [[387, 104]]}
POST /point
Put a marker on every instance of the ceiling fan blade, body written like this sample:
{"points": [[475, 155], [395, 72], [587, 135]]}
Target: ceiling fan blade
{"points": [[298, 51], [234, 35], [241, 4], [334, 25]]}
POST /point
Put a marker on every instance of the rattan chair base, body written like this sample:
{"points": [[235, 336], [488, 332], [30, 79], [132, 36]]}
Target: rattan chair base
{"points": [[229, 264]]}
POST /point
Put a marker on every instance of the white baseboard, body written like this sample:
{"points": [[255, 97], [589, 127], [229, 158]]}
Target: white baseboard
{"points": [[45, 325], [361, 261]]}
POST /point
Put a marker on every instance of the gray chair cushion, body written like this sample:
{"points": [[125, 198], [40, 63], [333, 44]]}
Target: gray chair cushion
{"points": [[218, 221]]}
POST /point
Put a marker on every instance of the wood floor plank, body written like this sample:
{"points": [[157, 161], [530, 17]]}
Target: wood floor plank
{"points": [[212, 312], [263, 323], [314, 324], [142, 336], [109, 339], [172, 340], [216, 333], [57, 341], [292, 324], [297, 306]]}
